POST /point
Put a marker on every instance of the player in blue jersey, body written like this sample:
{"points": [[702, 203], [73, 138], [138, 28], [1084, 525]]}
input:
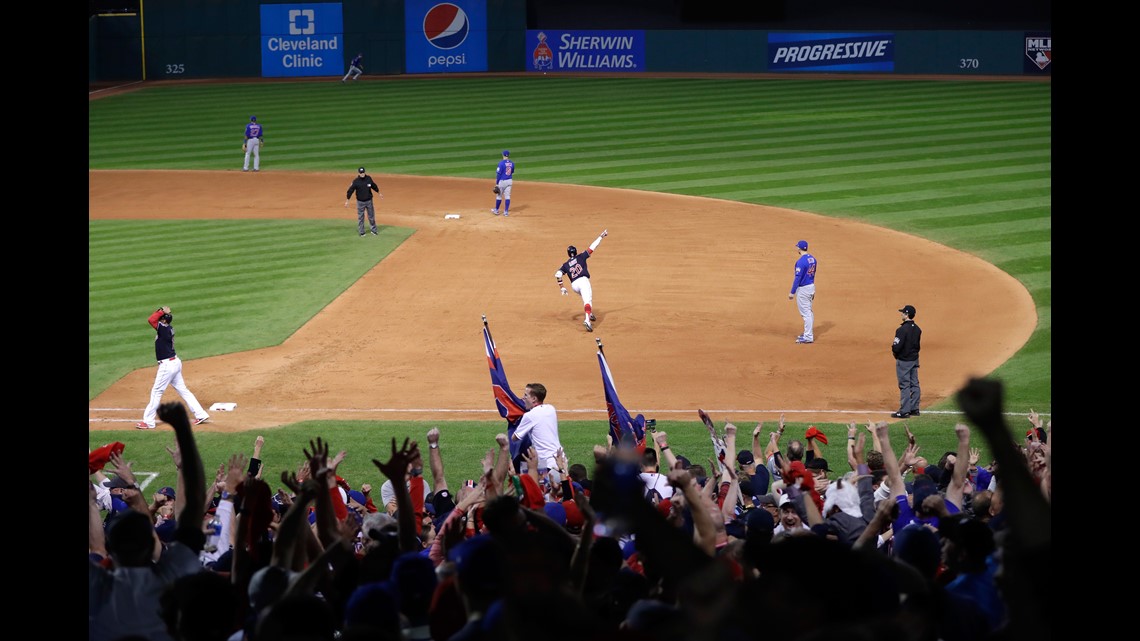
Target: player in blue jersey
{"points": [[355, 68], [803, 290], [579, 274], [252, 144], [504, 176]]}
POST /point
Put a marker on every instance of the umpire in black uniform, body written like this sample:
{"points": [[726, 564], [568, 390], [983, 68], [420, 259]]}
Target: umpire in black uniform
{"points": [[908, 338], [363, 186]]}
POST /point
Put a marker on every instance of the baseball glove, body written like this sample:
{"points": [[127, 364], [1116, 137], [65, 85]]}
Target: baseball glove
{"points": [[496, 189], [243, 148]]}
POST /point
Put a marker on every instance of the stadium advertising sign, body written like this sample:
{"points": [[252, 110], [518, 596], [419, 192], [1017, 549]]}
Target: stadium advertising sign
{"points": [[445, 37], [1038, 53], [301, 40], [831, 52], [594, 51]]}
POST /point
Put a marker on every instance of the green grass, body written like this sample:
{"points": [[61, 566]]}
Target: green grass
{"points": [[966, 164], [258, 283]]}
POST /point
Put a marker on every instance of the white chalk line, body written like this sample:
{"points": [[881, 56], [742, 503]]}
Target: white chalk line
{"points": [[439, 410]]}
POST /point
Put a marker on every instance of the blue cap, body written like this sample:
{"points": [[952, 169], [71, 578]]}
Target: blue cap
{"points": [[802, 244], [253, 118], [506, 153]]}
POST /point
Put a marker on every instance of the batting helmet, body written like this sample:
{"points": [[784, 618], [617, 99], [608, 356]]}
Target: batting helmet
{"points": [[167, 317], [571, 251]]}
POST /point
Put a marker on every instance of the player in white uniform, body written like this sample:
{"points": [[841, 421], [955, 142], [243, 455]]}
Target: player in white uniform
{"points": [[579, 274]]}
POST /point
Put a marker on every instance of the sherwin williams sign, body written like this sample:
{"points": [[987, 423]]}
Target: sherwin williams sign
{"points": [[301, 40], [550, 50], [831, 52], [445, 37]]}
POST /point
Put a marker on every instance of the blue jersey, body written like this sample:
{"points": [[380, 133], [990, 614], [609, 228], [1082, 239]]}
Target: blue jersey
{"points": [[357, 62], [576, 268], [252, 130], [506, 170], [805, 272]]}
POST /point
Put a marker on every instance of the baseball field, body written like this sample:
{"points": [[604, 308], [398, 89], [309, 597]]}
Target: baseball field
{"points": [[929, 192]]}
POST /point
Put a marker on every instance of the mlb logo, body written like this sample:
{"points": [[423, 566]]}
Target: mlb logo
{"points": [[1039, 50]]}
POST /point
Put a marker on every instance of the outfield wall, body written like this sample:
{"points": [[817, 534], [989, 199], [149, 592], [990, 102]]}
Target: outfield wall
{"points": [[175, 39]]}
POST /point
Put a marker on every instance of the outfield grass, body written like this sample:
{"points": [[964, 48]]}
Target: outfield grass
{"points": [[966, 164]]}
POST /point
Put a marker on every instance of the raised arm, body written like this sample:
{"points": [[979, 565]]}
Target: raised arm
{"points": [[774, 440], [705, 531], [435, 461], [503, 463], [894, 474], [757, 449], [852, 460], [661, 444], [189, 529], [395, 469], [131, 495], [956, 490]]}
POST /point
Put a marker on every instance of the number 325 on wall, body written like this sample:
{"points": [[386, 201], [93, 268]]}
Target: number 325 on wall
{"points": [[175, 69]]}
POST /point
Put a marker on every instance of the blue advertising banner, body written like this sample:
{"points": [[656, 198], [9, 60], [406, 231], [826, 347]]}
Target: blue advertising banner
{"points": [[1038, 53], [831, 52], [301, 40], [550, 50], [445, 37]]}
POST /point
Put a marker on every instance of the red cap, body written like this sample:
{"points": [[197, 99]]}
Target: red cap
{"points": [[98, 458], [813, 432]]}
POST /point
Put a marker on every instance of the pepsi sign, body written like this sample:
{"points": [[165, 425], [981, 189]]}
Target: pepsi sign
{"points": [[445, 37]]}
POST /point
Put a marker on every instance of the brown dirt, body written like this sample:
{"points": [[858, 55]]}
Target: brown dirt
{"points": [[690, 294]]}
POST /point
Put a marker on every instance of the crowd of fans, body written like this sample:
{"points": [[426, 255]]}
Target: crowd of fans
{"points": [[769, 542]]}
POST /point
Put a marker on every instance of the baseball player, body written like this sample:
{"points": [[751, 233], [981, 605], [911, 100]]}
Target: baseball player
{"points": [[363, 186], [252, 144], [803, 290], [504, 176], [579, 274], [169, 372], [355, 68]]}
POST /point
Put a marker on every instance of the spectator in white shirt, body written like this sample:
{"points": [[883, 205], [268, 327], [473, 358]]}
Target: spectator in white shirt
{"points": [[541, 422]]}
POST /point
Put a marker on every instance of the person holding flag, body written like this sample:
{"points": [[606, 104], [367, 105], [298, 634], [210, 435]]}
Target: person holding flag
{"points": [[540, 423], [510, 406]]}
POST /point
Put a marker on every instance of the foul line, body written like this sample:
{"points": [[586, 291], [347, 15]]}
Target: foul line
{"points": [[91, 93], [441, 410]]}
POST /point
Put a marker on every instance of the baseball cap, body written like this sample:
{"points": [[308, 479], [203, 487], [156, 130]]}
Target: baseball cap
{"points": [[118, 482], [506, 153], [908, 310], [818, 463], [253, 118], [767, 499], [744, 457], [360, 171], [168, 491], [802, 244]]}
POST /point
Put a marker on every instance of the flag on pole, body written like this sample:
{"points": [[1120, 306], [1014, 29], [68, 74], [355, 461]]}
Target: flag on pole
{"points": [[510, 406], [620, 422]]}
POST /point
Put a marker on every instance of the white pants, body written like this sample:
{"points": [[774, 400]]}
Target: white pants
{"points": [[252, 146], [505, 187], [584, 289], [170, 374], [353, 72], [804, 297]]}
